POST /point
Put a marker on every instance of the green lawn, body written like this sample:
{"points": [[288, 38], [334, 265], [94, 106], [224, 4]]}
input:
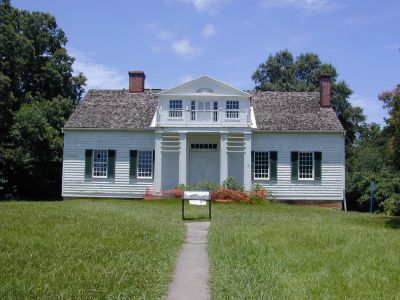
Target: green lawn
{"points": [[88, 249], [281, 251], [127, 249]]}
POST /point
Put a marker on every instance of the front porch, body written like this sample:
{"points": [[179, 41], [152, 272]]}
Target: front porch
{"points": [[184, 157]]}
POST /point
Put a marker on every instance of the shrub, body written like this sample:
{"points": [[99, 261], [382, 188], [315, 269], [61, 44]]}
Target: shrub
{"points": [[387, 190], [258, 193], [391, 206], [180, 186], [204, 185], [232, 183], [227, 195]]}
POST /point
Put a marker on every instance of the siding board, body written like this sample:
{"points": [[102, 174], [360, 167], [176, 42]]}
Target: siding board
{"points": [[331, 185], [76, 142]]}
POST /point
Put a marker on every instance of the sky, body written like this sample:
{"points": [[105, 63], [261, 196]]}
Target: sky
{"points": [[173, 41]]}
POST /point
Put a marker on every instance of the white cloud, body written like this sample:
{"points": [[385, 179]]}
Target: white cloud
{"points": [[160, 32], [209, 30], [99, 76], [309, 7], [185, 48], [393, 47], [373, 108], [209, 6], [186, 78]]}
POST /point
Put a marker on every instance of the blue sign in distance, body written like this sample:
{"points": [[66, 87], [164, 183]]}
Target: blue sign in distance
{"points": [[372, 187]]}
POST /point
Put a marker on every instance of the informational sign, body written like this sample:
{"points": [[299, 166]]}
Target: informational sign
{"points": [[372, 187]]}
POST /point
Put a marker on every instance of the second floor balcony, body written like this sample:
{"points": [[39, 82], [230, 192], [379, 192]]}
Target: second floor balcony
{"points": [[203, 118]]}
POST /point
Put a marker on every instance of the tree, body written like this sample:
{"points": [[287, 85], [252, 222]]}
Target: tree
{"points": [[281, 72], [38, 92], [391, 100]]}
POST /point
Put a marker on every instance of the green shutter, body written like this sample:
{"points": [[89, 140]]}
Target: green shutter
{"points": [[252, 165], [317, 165], [111, 164], [273, 165], [88, 163], [132, 163], [154, 159], [295, 165]]}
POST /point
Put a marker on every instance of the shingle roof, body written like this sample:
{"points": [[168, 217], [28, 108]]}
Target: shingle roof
{"points": [[114, 109], [293, 111], [273, 111]]}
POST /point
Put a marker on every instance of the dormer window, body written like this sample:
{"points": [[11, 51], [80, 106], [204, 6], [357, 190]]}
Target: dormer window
{"points": [[175, 108], [204, 90]]}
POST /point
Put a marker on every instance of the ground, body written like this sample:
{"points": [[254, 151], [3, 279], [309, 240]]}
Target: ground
{"points": [[122, 248]]}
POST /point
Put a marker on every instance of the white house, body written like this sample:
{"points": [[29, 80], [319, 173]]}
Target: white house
{"points": [[118, 143]]}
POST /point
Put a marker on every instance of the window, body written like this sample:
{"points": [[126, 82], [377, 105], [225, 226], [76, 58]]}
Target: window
{"points": [[232, 109], [175, 108], [215, 113], [193, 110], [203, 146], [261, 165], [145, 164], [100, 161], [306, 165]]}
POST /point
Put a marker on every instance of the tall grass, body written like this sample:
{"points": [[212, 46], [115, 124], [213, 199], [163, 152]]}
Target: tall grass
{"points": [[88, 248], [277, 251]]}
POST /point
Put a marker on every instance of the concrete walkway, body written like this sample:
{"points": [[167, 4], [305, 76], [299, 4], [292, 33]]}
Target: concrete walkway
{"points": [[191, 276]]}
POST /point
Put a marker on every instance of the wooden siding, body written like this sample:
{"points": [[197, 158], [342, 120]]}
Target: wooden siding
{"points": [[332, 147], [75, 143]]}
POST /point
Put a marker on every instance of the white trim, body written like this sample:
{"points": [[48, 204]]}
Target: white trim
{"points": [[298, 166], [137, 165], [218, 82], [253, 123], [269, 167], [93, 176]]}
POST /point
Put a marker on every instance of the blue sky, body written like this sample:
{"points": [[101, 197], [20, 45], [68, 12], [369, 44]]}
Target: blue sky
{"points": [[176, 40]]}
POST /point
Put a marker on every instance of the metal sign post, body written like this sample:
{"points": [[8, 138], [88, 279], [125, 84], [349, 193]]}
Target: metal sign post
{"points": [[196, 198], [372, 189]]}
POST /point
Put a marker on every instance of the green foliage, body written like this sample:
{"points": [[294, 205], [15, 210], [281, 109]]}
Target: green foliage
{"points": [[391, 205], [391, 100], [37, 94], [204, 185], [233, 184], [282, 72]]}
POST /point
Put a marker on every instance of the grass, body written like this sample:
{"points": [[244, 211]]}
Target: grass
{"points": [[84, 249], [126, 249], [280, 251]]}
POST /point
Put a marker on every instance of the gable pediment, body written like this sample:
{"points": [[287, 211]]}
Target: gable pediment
{"points": [[205, 85]]}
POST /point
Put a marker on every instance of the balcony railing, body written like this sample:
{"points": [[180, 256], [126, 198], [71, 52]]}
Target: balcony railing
{"points": [[212, 118]]}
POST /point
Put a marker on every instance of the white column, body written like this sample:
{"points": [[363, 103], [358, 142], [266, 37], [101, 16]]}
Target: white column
{"points": [[182, 158], [158, 163], [247, 162], [223, 159]]}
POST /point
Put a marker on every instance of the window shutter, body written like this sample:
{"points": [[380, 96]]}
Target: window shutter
{"points": [[317, 165], [154, 159], [111, 164], [252, 165], [88, 163], [273, 165], [132, 163], [295, 164]]}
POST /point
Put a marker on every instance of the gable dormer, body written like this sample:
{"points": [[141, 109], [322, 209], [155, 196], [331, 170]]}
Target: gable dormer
{"points": [[203, 102]]}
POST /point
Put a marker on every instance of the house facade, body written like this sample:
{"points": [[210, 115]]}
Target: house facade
{"points": [[122, 143]]}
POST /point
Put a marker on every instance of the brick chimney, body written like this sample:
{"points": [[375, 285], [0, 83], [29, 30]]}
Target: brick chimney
{"points": [[136, 81], [325, 90]]}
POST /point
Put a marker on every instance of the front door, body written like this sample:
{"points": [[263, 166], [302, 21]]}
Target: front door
{"points": [[203, 163]]}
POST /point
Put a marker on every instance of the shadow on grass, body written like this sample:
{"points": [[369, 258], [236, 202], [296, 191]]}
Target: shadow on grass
{"points": [[393, 222], [196, 218]]}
